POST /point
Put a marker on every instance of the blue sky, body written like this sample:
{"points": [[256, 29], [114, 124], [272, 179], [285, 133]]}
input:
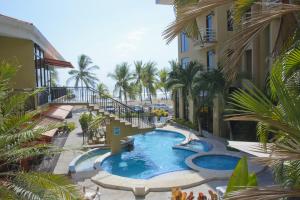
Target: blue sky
{"points": [[110, 32]]}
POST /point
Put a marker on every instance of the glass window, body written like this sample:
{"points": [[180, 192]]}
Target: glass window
{"points": [[209, 27], [185, 62], [211, 60], [184, 42], [42, 71], [229, 20]]}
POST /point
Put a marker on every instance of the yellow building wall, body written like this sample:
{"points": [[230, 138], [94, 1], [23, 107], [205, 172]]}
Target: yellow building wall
{"points": [[19, 52]]}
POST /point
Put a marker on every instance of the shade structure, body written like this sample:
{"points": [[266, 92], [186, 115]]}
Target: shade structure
{"points": [[58, 63]]}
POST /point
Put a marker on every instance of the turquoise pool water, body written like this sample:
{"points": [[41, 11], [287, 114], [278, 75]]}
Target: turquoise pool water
{"points": [[199, 145], [86, 162], [152, 155], [217, 162]]}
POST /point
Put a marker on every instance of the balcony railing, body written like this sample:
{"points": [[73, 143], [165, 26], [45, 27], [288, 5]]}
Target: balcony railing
{"points": [[206, 36]]}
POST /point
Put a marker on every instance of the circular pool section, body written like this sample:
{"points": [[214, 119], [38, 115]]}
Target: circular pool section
{"points": [[216, 162], [199, 145], [152, 155], [86, 161]]}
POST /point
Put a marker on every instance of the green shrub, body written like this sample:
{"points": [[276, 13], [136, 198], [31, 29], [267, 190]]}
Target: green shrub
{"points": [[84, 121], [71, 126]]}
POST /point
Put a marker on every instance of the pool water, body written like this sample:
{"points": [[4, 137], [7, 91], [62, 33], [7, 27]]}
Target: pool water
{"points": [[86, 163], [152, 155], [217, 162], [199, 145]]}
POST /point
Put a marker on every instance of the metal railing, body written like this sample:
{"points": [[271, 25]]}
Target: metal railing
{"points": [[205, 36], [86, 95]]}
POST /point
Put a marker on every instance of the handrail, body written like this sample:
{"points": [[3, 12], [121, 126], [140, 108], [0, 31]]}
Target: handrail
{"points": [[94, 90], [89, 95]]}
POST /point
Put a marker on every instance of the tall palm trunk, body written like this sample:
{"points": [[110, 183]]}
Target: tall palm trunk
{"points": [[141, 93]]}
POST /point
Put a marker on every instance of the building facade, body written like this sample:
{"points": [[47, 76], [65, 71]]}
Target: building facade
{"points": [[23, 45], [216, 28]]}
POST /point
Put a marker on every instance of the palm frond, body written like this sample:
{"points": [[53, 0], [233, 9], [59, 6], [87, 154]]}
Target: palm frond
{"points": [[264, 193]]}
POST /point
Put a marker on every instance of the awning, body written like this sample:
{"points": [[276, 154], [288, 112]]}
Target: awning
{"points": [[57, 63]]}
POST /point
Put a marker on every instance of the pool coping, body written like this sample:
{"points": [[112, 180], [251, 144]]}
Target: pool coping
{"points": [[74, 162], [183, 179]]}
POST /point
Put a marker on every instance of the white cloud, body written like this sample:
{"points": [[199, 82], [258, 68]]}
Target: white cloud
{"points": [[130, 43]]}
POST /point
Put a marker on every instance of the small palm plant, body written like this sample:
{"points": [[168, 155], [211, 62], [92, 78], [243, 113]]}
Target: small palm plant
{"points": [[18, 136]]}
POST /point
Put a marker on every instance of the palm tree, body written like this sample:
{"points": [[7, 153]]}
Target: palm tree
{"points": [[19, 133], [279, 120], [210, 85], [149, 79], [102, 90], [182, 78], [84, 74], [162, 82], [122, 76], [139, 67]]}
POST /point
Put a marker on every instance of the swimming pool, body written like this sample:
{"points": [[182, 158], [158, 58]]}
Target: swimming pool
{"points": [[152, 155], [199, 145], [217, 162]]}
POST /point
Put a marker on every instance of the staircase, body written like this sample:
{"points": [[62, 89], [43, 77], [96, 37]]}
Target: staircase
{"points": [[121, 117], [101, 103]]}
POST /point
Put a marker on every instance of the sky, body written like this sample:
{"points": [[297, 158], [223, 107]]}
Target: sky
{"points": [[109, 32]]}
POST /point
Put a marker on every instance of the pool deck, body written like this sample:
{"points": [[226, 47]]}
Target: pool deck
{"points": [[183, 179]]}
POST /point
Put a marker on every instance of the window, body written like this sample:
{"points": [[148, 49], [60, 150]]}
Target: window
{"points": [[229, 20], [209, 27], [184, 42], [211, 60], [185, 62], [41, 70]]}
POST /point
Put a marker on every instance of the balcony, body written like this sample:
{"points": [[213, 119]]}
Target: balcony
{"points": [[206, 38]]}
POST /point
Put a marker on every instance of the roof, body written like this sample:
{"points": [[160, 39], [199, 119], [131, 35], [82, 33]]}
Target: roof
{"points": [[15, 28]]}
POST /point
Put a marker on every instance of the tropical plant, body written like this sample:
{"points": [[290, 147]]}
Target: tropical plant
{"points": [[278, 117], [207, 87], [18, 141], [240, 178], [103, 90], [84, 74], [162, 82], [84, 121], [149, 79], [122, 76], [138, 75], [182, 78]]}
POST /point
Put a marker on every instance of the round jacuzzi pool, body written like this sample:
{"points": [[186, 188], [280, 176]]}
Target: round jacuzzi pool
{"points": [[216, 162]]}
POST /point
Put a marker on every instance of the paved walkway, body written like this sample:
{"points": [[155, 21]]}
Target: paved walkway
{"points": [[72, 145]]}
